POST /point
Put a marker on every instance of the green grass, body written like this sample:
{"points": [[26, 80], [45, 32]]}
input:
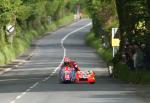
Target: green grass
{"points": [[122, 72], [2, 58], [20, 46], [106, 54], [67, 19], [8, 54]]}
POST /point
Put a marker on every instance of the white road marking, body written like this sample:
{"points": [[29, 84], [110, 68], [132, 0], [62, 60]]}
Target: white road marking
{"points": [[12, 101], [29, 89], [18, 97], [45, 79], [52, 74], [34, 85], [53, 71], [24, 93]]}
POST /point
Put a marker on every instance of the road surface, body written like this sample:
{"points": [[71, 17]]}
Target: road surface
{"points": [[37, 80]]}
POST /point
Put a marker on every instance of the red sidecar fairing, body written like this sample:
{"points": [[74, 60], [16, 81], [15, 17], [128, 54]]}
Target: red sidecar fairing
{"points": [[85, 77]]}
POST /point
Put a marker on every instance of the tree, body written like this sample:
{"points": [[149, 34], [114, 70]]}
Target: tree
{"points": [[8, 13], [131, 15]]}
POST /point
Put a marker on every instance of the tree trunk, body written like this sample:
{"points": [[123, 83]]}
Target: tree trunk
{"points": [[120, 6]]}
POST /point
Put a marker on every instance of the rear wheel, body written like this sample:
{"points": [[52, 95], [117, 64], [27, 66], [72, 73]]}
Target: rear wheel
{"points": [[77, 81]]}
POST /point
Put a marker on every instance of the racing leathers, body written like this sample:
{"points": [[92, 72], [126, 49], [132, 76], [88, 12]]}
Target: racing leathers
{"points": [[70, 63], [74, 65]]}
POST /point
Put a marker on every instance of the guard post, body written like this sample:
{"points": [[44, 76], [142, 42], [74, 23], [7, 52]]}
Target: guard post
{"points": [[9, 30]]}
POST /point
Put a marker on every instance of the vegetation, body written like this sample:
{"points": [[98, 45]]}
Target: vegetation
{"points": [[103, 14], [30, 19], [132, 17], [122, 72], [104, 17], [133, 29], [94, 42]]}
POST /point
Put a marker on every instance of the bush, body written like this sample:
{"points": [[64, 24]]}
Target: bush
{"points": [[40, 30], [106, 54], [146, 77], [122, 72], [2, 58], [67, 19], [94, 42], [52, 27], [8, 53], [33, 33], [20, 44], [90, 38]]}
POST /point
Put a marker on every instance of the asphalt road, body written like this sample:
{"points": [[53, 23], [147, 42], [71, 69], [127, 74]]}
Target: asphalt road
{"points": [[37, 80]]}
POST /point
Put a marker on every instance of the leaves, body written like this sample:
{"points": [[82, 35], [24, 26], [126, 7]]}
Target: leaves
{"points": [[103, 13], [30, 13], [8, 8]]}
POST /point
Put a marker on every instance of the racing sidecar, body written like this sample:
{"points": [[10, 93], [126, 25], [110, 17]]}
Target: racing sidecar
{"points": [[85, 77]]}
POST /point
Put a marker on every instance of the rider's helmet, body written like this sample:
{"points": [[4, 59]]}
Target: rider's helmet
{"points": [[75, 64], [90, 72], [66, 61]]}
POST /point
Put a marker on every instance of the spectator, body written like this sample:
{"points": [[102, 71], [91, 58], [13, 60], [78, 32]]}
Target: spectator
{"points": [[146, 59], [129, 54], [138, 57]]}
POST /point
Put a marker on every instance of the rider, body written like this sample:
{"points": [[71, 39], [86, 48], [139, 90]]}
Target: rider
{"points": [[68, 66], [66, 61], [70, 63], [74, 65]]}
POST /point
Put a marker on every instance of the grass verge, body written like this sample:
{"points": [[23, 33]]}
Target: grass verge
{"points": [[122, 72], [95, 42]]}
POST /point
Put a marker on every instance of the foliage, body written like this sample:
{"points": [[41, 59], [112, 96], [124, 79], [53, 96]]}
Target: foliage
{"points": [[8, 9], [122, 72], [103, 14], [132, 16], [91, 40], [31, 18]]}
